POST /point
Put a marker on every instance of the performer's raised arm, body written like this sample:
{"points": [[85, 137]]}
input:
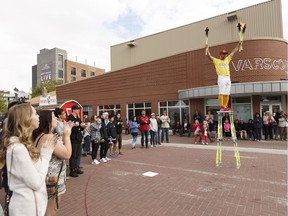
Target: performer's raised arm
{"points": [[209, 54], [234, 50]]}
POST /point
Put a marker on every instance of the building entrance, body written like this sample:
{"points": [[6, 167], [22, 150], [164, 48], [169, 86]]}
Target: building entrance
{"points": [[271, 107]]}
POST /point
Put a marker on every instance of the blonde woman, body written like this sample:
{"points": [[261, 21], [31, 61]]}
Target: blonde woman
{"points": [[27, 167]]}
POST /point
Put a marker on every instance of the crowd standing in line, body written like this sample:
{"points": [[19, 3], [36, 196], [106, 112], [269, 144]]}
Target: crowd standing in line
{"points": [[41, 142]]}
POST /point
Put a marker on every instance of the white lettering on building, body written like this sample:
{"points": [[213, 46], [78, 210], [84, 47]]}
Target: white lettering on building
{"points": [[261, 64]]}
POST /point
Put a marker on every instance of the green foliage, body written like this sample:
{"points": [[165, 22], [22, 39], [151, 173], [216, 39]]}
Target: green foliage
{"points": [[50, 86], [3, 107]]}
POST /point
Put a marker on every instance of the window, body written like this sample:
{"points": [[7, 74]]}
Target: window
{"points": [[60, 74], [73, 78], [73, 71], [176, 110], [241, 100], [87, 110], [275, 98], [112, 109], [242, 108], [135, 109], [212, 105], [92, 73], [83, 73], [60, 61]]}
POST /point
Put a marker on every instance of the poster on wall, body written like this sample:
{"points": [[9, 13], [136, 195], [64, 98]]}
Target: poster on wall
{"points": [[67, 107], [46, 73], [48, 100]]}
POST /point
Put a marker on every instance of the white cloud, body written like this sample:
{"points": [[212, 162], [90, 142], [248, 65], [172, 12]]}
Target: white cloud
{"points": [[87, 29]]}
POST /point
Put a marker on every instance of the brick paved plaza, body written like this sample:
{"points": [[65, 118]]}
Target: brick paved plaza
{"points": [[188, 182]]}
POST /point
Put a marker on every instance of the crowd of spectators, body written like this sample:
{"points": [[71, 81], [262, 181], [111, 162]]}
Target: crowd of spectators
{"points": [[57, 139]]}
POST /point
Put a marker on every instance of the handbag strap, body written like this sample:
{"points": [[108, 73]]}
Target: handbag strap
{"points": [[61, 168], [39, 139], [56, 197]]}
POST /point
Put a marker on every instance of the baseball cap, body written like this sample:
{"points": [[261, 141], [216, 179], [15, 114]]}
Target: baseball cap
{"points": [[75, 107], [223, 52]]}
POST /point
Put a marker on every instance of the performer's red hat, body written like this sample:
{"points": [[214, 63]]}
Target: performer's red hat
{"points": [[223, 52]]}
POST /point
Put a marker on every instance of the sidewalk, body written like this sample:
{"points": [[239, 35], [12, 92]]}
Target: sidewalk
{"points": [[187, 181]]}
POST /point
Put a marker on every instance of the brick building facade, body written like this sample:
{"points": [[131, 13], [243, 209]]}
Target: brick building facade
{"points": [[181, 79]]}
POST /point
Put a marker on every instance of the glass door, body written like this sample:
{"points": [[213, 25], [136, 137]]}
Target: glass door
{"points": [[272, 108]]}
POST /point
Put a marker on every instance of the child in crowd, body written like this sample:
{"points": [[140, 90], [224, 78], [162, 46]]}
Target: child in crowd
{"points": [[134, 130], [112, 134], [197, 131], [227, 128], [205, 130]]}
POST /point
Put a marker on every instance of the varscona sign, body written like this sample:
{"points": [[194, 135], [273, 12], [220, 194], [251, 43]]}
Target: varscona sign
{"points": [[261, 64]]}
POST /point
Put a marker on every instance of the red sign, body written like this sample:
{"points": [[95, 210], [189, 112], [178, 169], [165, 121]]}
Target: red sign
{"points": [[67, 107]]}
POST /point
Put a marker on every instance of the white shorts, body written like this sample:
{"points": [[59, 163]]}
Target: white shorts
{"points": [[224, 83]]}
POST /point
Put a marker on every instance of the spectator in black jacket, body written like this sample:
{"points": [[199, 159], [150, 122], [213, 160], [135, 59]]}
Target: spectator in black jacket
{"points": [[237, 128], [119, 128], [176, 128], [197, 116], [276, 115], [258, 123], [250, 129], [76, 140], [159, 122], [243, 129], [112, 136], [104, 136]]}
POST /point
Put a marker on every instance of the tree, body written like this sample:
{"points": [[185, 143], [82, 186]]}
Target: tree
{"points": [[50, 86], [3, 107]]}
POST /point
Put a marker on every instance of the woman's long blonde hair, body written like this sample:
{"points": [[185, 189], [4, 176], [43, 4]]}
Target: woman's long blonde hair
{"points": [[19, 125]]}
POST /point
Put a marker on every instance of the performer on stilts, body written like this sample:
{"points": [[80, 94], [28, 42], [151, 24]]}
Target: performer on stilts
{"points": [[223, 72], [222, 68], [224, 83]]}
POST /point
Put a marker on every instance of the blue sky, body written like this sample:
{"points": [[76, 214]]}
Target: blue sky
{"points": [[87, 29]]}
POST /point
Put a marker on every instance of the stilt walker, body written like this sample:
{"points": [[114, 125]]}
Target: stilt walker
{"points": [[220, 139], [224, 84]]}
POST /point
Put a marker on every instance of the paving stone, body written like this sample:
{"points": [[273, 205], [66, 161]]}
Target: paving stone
{"points": [[188, 183]]}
